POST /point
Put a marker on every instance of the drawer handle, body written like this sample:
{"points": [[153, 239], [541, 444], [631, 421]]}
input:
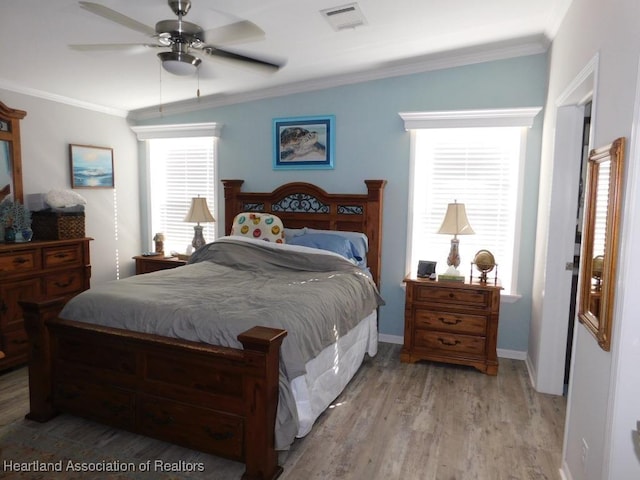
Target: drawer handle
{"points": [[219, 436], [64, 284], [20, 260], [20, 341], [168, 420], [450, 322], [452, 295], [61, 255], [449, 343]]}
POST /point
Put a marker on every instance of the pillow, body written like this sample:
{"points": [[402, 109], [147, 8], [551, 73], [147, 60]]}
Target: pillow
{"points": [[359, 240], [261, 226], [289, 233], [326, 241]]}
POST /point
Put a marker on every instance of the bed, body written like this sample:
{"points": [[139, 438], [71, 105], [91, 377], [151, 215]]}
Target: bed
{"points": [[218, 399]]}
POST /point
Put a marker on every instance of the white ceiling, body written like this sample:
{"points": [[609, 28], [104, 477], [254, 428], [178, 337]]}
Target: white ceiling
{"points": [[401, 36]]}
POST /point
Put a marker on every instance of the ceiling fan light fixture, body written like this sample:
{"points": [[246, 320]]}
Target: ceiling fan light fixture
{"points": [[179, 63]]}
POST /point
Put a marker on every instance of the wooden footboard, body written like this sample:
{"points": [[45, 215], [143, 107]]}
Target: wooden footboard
{"points": [[213, 399]]}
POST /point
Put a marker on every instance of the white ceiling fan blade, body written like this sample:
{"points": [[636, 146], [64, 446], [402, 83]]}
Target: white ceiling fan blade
{"points": [[242, 31], [96, 47], [117, 17]]}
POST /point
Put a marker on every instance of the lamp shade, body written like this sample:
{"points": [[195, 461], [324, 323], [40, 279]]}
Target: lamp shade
{"points": [[455, 221], [199, 211]]}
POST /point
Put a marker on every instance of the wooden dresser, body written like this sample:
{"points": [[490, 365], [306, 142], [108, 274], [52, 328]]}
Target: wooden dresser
{"points": [[39, 269], [452, 322]]}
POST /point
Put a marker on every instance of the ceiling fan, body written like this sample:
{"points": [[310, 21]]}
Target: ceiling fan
{"points": [[183, 39]]}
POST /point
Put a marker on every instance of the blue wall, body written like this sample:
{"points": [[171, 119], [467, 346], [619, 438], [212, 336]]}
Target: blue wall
{"points": [[371, 143]]}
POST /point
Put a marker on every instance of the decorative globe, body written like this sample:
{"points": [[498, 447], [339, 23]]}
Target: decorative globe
{"points": [[596, 266], [484, 262]]}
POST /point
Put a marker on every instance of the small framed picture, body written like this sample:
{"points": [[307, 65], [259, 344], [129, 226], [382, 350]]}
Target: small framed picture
{"points": [[304, 142], [426, 268], [91, 167]]}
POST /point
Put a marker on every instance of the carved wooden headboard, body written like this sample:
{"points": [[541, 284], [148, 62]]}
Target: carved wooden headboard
{"points": [[300, 204]]}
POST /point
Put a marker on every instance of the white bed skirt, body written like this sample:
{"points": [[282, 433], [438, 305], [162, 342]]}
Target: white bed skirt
{"points": [[329, 372]]}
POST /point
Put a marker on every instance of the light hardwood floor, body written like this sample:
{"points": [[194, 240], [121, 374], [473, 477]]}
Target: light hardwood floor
{"points": [[424, 421]]}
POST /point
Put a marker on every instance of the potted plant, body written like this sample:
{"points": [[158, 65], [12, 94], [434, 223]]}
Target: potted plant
{"points": [[16, 220]]}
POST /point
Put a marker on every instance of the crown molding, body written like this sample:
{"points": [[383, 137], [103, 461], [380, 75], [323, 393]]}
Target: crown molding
{"points": [[12, 87], [473, 55], [456, 58]]}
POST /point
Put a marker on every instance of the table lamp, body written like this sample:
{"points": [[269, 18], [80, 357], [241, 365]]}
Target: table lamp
{"points": [[199, 212], [455, 223]]}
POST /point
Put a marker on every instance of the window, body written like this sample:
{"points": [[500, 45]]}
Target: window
{"points": [[180, 169], [477, 163], [181, 164]]}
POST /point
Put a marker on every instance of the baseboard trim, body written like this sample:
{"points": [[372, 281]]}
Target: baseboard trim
{"points": [[512, 354], [565, 473], [385, 338]]}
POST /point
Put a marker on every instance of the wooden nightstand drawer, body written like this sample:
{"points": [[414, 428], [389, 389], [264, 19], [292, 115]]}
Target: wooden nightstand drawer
{"points": [[15, 262], [64, 283], [150, 264], [67, 255], [449, 342], [450, 322], [454, 296]]}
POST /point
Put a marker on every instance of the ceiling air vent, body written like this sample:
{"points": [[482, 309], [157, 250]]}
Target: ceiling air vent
{"points": [[344, 17]]}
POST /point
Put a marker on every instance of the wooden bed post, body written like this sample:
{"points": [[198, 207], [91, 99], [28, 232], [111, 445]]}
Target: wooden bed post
{"points": [[261, 347], [36, 315], [231, 204], [375, 189]]}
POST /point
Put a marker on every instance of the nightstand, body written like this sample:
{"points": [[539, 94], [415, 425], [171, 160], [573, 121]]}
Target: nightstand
{"points": [[452, 322], [153, 263]]}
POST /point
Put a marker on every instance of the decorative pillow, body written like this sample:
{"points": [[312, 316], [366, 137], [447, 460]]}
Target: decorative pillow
{"points": [[261, 226], [327, 241]]}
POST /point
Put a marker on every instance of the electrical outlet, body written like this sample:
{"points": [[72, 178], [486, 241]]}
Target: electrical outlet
{"points": [[585, 453]]}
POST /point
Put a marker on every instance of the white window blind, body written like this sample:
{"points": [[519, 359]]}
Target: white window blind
{"points": [[180, 169], [476, 166]]}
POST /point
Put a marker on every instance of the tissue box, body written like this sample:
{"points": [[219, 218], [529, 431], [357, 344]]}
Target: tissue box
{"points": [[56, 225]]}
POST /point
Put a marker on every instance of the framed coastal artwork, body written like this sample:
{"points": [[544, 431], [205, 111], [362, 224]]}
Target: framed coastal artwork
{"points": [[304, 142], [91, 167]]}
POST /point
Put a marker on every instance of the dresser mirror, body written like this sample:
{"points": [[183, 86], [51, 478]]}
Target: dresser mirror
{"points": [[603, 202], [10, 154]]}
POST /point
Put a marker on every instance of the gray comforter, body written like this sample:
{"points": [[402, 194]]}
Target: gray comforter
{"points": [[228, 287]]}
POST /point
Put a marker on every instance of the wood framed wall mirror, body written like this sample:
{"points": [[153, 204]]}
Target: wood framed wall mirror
{"points": [[599, 256], [10, 154]]}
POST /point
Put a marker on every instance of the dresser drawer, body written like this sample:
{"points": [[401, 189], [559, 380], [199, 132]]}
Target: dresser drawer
{"points": [[64, 283], [450, 343], [14, 342], [97, 402], [453, 296], [18, 262], [450, 322], [191, 426], [64, 255]]}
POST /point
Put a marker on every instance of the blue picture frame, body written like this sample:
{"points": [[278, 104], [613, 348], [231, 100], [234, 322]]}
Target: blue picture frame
{"points": [[304, 143]]}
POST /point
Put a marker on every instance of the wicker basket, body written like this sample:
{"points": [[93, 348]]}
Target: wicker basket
{"points": [[49, 225]]}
